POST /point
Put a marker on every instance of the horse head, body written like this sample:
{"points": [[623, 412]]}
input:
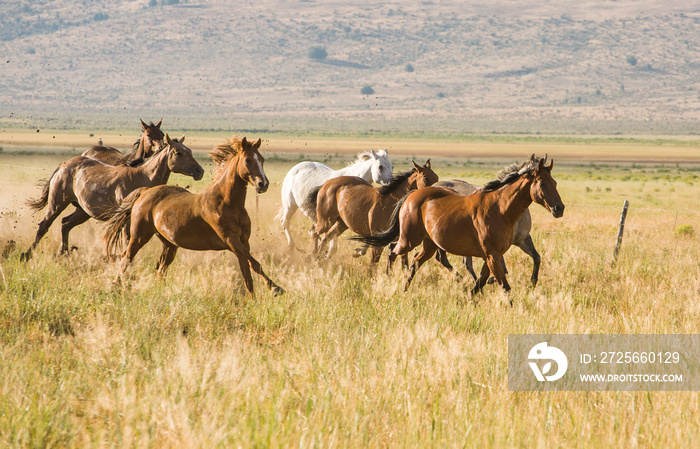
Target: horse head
{"points": [[250, 166], [151, 139], [181, 160], [543, 190], [382, 168], [423, 176]]}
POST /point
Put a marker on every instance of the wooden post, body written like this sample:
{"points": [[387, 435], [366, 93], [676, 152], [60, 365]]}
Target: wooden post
{"points": [[620, 231], [257, 211]]}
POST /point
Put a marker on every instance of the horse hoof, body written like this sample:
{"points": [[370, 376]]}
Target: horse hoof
{"points": [[491, 280], [24, 257], [278, 291]]}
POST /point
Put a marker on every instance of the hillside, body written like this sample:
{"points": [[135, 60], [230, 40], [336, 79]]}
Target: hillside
{"points": [[596, 66]]}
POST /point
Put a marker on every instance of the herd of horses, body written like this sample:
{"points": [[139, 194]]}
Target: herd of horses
{"points": [[413, 209]]}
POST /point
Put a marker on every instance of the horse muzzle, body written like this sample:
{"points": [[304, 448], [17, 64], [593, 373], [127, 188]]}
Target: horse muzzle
{"points": [[558, 211], [198, 173], [261, 186]]}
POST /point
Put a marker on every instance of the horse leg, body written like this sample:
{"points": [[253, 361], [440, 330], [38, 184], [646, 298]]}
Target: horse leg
{"points": [[316, 240], [375, 255], [241, 248], [166, 257], [361, 251], [330, 234], [469, 265], [426, 253], [481, 281], [396, 250], [140, 235], [67, 223], [287, 214], [44, 225], [441, 256], [528, 247], [497, 267]]}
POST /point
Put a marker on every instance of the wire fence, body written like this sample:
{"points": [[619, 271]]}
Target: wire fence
{"points": [[660, 227]]}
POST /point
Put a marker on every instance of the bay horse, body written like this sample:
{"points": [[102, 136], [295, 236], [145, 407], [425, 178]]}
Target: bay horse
{"points": [[351, 202], [478, 225], [521, 233], [95, 188], [306, 176], [150, 141], [215, 219]]}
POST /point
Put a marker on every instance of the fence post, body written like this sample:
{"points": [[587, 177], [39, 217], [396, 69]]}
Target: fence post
{"points": [[257, 211], [620, 231]]}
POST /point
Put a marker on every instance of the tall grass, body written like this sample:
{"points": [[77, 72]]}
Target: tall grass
{"points": [[345, 358]]}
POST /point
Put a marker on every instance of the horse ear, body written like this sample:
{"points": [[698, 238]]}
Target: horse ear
{"points": [[384, 152], [416, 166], [257, 144], [374, 153], [182, 139], [540, 164], [168, 140], [427, 164], [158, 124], [550, 166], [244, 142], [143, 125], [532, 157]]}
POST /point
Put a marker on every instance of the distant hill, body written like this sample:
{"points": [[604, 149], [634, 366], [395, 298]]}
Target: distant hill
{"points": [[521, 66]]}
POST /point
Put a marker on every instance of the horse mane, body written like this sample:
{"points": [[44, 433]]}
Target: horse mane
{"points": [[222, 154], [511, 173], [395, 182], [364, 156]]}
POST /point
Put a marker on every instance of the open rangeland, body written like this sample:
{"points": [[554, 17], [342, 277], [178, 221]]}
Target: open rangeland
{"points": [[343, 358]]}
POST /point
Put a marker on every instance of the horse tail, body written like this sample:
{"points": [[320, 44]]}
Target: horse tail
{"points": [[39, 203], [391, 234], [310, 203], [119, 219]]}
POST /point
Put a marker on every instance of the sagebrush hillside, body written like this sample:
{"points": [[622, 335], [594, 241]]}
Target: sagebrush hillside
{"points": [[435, 67]]}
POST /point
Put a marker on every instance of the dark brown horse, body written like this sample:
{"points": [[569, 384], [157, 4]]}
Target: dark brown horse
{"points": [[351, 202], [150, 141], [478, 225], [215, 219], [95, 188], [521, 233]]}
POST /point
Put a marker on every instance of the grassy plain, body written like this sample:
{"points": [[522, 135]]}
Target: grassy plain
{"points": [[346, 359]]}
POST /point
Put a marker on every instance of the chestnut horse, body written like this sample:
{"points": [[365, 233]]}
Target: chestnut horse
{"points": [[521, 233], [478, 225], [351, 202], [95, 188], [215, 219], [150, 141]]}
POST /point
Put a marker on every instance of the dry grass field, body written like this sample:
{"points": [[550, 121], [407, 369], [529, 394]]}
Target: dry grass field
{"points": [[345, 359]]}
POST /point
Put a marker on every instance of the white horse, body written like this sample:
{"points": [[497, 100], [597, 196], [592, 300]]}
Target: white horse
{"points": [[304, 177]]}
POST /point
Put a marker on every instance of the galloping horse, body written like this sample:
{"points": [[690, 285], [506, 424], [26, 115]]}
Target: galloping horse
{"points": [[351, 202], [521, 232], [306, 176], [95, 188], [215, 219], [478, 225], [150, 141]]}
